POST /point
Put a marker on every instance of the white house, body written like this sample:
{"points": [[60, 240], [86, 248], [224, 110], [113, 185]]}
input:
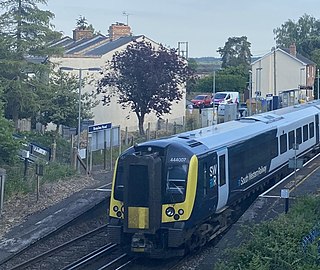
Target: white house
{"points": [[285, 73], [88, 51]]}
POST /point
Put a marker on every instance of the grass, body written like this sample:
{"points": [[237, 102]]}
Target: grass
{"points": [[18, 183]]}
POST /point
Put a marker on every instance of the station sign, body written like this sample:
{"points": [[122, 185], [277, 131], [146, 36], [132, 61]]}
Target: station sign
{"points": [[99, 127]]}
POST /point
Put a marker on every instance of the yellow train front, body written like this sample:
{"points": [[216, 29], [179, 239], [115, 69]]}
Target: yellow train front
{"points": [[153, 198]]}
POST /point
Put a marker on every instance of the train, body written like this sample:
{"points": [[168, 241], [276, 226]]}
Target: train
{"points": [[172, 195]]}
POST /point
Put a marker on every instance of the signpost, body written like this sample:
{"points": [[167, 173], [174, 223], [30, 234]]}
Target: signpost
{"points": [[101, 137], [285, 195]]}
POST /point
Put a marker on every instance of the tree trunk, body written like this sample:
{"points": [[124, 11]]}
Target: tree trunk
{"points": [[141, 121]]}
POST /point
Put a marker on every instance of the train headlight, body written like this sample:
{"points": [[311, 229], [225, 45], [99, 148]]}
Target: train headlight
{"points": [[115, 208], [180, 212], [170, 212]]}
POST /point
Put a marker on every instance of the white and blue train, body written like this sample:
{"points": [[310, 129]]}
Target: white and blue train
{"points": [[174, 194]]}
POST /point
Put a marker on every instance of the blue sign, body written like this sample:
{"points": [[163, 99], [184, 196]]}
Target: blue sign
{"points": [[99, 127]]}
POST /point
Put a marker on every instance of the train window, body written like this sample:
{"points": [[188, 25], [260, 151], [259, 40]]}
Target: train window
{"points": [[119, 184], [176, 183], [305, 133], [299, 135], [222, 170], [273, 147], [139, 180], [283, 143], [311, 130], [291, 139]]}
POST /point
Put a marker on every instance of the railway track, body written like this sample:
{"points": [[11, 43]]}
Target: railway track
{"points": [[64, 254], [106, 257]]}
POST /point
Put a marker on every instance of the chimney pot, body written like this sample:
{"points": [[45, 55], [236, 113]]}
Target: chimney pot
{"points": [[293, 49]]}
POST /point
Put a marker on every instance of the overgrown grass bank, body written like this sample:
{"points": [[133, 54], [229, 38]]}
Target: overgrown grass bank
{"points": [[18, 183], [291, 242]]}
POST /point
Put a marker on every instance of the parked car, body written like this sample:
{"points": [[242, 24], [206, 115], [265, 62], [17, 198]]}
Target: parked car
{"points": [[201, 101], [225, 97]]}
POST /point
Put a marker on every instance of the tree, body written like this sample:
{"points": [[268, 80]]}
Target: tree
{"points": [[192, 81], [82, 24], [145, 79], [230, 78], [8, 145], [25, 31], [235, 52], [305, 33], [60, 101]]}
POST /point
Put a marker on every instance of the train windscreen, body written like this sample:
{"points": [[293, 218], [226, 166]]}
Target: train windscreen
{"points": [[176, 180]]}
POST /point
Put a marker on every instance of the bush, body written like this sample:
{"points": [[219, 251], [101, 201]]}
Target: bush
{"points": [[278, 244], [17, 183]]}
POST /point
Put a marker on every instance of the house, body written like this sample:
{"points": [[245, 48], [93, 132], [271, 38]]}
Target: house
{"points": [[86, 52], [284, 73]]}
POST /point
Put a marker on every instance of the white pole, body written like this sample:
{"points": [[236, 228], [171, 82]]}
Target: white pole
{"points": [[318, 86], [79, 110]]}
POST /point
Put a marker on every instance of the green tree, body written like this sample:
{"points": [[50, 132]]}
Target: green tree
{"points": [[145, 79], [60, 101], [227, 79], [305, 33], [191, 82], [82, 24], [235, 52], [25, 31], [8, 145]]}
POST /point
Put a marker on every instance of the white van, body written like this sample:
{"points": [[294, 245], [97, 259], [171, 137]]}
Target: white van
{"points": [[225, 98]]}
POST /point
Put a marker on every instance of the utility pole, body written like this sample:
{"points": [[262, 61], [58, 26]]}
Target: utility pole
{"points": [[318, 85], [250, 92], [274, 73]]}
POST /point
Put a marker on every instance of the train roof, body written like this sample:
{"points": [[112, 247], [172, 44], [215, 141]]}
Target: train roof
{"points": [[233, 131], [217, 136]]}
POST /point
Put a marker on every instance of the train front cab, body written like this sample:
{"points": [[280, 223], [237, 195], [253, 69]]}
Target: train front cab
{"points": [[150, 202]]}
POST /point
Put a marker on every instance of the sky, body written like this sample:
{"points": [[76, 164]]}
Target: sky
{"points": [[205, 25]]}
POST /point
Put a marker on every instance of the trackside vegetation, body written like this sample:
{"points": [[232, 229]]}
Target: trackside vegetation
{"points": [[290, 242]]}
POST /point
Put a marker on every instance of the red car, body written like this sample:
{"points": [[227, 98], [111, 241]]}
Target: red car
{"points": [[201, 101]]}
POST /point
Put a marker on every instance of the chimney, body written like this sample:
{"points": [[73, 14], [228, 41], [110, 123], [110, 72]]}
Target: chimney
{"points": [[119, 30], [82, 33], [293, 49]]}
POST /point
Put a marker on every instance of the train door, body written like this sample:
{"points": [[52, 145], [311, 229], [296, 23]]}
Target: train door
{"points": [[317, 128], [223, 183], [207, 175]]}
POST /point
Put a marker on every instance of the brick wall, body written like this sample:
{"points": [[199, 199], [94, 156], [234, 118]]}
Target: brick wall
{"points": [[80, 33], [119, 30]]}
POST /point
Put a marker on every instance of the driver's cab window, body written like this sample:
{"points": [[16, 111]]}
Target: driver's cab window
{"points": [[176, 182]]}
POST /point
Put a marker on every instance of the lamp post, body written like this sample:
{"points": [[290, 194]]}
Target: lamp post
{"points": [[79, 96], [215, 116], [318, 84], [302, 84], [250, 92], [258, 85]]}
